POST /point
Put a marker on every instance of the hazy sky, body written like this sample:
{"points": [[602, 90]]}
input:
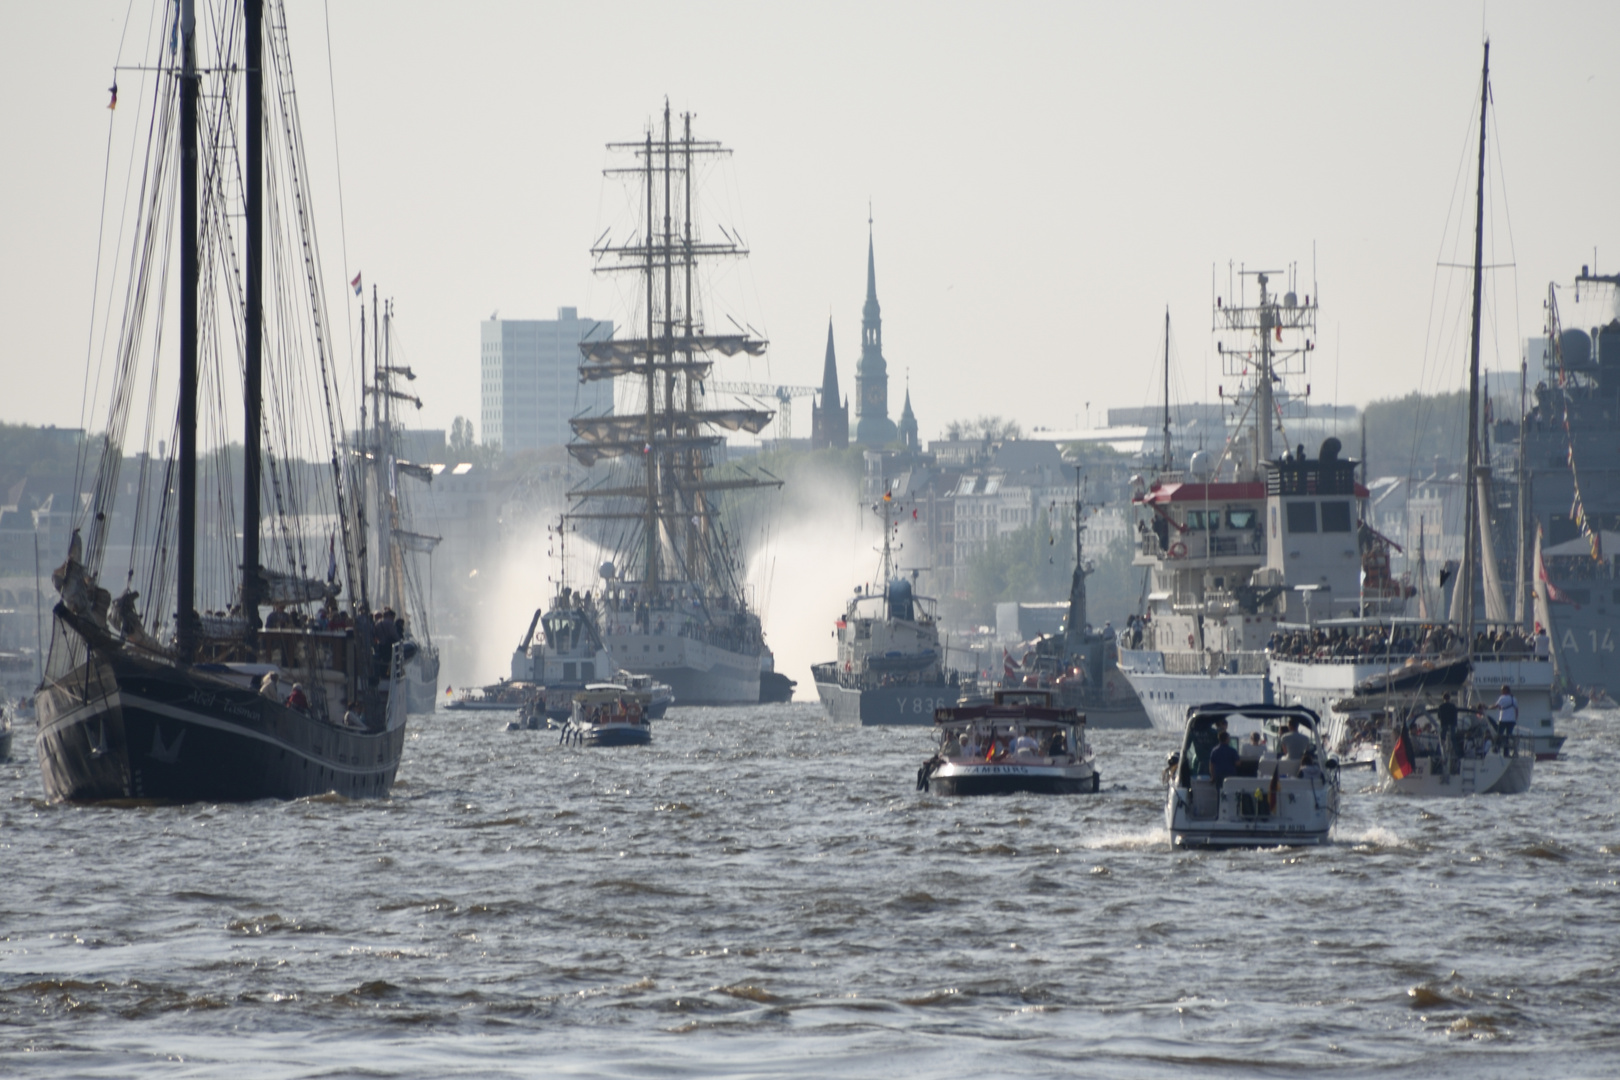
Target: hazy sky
{"points": [[1045, 178]]}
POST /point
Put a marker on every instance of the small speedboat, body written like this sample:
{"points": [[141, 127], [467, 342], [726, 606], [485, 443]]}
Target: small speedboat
{"points": [[1277, 791], [1022, 741], [607, 714]]}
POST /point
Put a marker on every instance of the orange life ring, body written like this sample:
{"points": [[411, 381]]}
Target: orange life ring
{"points": [[1178, 550]]}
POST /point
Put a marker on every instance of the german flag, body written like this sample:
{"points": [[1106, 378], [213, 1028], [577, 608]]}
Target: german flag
{"points": [[1400, 758]]}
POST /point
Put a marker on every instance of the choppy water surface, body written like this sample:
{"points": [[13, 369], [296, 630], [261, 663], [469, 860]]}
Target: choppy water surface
{"points": [[763, 893]]}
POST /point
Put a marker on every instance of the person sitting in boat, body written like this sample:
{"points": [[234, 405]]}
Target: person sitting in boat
{"points": [[1254, 749], [1309, 769], [268, 686], [1291, 748], [1059, 744], [297, 699], [1223, 757], [1025, 745]]}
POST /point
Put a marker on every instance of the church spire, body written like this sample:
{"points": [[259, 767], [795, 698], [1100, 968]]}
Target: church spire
{"points": [[829, 370], [873, 426]]}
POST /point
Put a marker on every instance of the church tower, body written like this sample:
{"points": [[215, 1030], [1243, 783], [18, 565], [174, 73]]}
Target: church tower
{"points": [[873, 426], [908, 424], [829, 421]]}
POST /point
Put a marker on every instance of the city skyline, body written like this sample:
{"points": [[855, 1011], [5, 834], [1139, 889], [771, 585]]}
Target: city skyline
{"points": [[1044, 181]]}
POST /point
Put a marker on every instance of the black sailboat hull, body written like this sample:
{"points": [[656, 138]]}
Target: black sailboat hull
{"points": [[112, 726]]}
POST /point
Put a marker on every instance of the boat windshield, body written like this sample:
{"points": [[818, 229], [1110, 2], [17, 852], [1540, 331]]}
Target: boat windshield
{"points": [[989, 740]]}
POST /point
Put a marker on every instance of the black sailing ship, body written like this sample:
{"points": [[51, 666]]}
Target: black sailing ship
{"points": [[199, 707], [678, 608]]}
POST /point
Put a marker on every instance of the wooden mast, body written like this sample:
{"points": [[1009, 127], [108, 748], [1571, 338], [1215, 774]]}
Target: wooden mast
{"points": [[186, 541], [253, 337], [1469, 569]]}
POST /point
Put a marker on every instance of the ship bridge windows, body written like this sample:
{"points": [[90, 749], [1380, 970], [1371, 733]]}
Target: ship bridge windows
{"points": [[1336, 517], [1301, 517], [1240, 517]]}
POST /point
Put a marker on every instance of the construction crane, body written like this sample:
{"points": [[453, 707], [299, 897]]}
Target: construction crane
{"points": [[784, 396]]}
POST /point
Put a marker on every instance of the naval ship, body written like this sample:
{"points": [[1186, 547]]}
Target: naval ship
{"points": [[1560, 462]]}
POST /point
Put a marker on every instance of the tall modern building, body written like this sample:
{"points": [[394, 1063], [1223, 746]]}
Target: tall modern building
{"points": [[531, 379], [829, 419], [873, 426]]}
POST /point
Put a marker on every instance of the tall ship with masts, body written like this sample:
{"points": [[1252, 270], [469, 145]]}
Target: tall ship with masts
{"points": [[675, 602], [237, 662], [386, 477]]}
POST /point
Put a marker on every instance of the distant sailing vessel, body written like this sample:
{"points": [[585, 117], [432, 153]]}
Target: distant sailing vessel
{"points": [[401, 585], [219, 700], [678, 609]]}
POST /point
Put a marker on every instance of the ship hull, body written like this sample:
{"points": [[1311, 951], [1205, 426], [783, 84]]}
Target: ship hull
{"points": [[1166, 697], [698, 672], [885, 705], [112, 727]]}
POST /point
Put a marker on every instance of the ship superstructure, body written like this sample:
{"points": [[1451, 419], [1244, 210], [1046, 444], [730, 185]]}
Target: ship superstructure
{"points": [[1238, 542]]}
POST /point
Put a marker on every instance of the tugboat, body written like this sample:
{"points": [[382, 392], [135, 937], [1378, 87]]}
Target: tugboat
{"points": [[890, 667], [1023, 741], [606, 714], [1282, 792], [195, 708]]}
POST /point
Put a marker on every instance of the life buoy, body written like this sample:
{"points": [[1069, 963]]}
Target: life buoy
{"points": [[1178, 550]]}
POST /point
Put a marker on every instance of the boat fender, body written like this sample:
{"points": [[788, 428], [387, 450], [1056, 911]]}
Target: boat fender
{"points": [[1178, 550], [1096, 782]]}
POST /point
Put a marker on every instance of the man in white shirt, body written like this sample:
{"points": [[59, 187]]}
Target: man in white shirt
{"points": [[1508, 713], [1291, 748], [1542, 643]]}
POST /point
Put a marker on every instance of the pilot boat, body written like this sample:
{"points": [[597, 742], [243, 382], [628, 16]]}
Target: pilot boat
{"points": [[1267, 801], [1022, 741]]}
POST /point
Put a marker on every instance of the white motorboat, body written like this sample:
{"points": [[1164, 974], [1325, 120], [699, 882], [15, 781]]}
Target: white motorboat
{"points": [[607, 714], [1413, 758], [1022, 741], [1266, 800]]}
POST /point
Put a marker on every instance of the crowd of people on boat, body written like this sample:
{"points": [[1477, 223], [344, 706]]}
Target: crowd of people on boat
{"points": [[1350, 642]]}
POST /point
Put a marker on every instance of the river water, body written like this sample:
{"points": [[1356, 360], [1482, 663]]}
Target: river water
{"points": [[762, 893]]}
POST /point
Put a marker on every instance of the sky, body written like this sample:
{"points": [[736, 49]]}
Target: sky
{"points": [[1044, 180]]}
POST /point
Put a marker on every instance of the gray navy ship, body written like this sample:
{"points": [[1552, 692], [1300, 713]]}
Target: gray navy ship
{"points": [[1567, 478], [890, 668]]}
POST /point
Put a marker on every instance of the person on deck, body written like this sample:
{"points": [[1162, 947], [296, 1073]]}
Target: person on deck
{"points": [[1446, 714], [1223, 757], [1291, 748], [1507, 707], [297, 700]]}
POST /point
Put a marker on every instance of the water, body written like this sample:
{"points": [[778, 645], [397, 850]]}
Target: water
{"points": [[763, 893]]}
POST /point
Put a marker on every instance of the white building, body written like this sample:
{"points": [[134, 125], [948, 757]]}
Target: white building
{"points": [[531, 384]]}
